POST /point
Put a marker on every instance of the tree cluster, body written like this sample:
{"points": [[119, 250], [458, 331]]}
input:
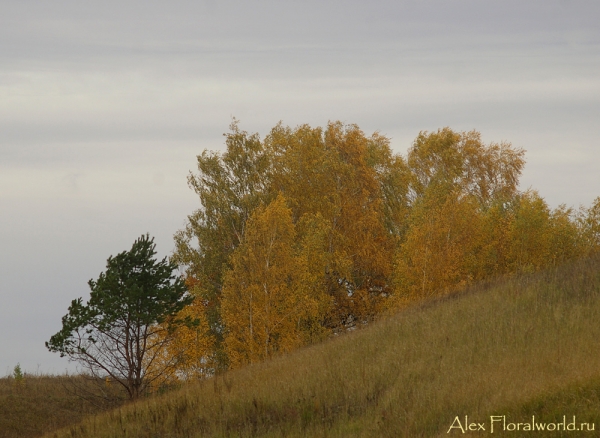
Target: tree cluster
{"points": [[312, 231]]}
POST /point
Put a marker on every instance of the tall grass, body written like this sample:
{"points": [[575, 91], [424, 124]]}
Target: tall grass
{"points": [[526, 344]]}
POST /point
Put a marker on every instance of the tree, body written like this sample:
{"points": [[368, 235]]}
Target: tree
{"points": [[566, 241], [589, 225], [530, 233], [347, 180], [445, 160], [440, 250], [229, 187], [264, 296], [124, 328], [459, 191], [193, 345]]}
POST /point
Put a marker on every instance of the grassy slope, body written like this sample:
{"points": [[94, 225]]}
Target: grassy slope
{"points": [[525, 346]]}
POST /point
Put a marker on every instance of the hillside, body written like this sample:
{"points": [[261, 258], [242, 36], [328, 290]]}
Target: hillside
{"points": [[526, 345]]}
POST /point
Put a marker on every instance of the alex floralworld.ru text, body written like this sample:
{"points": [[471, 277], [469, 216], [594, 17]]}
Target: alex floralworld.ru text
{"points": [[500, 423]]}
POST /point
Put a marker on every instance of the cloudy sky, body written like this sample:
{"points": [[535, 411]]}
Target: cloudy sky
{"points": [[104, 106]]}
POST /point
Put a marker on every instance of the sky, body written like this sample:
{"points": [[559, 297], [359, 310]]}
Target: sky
{"points": [[104, 107]]}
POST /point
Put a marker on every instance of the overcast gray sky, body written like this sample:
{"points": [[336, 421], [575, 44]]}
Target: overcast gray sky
{"points": [[104, 106]]}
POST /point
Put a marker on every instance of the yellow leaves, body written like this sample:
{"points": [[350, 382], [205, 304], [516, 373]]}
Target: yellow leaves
{"points": [[588, 222], [446, 160], [338, 175], [458, 228], [565, 242], [493, 254], [193, 347], [314, 230], [185, 352], [264, 299], [529, 233], [439, 251], [452, 243], [541, 237]]}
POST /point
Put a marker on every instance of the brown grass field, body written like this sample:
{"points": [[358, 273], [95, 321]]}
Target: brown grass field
{"points": [[527, 345], [37, 404]]}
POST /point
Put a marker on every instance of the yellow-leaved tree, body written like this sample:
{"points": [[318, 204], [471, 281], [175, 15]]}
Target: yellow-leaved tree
{"points": [[530, 233], [588, 222], [440, 250], [344, 178], [457, 186], [264, 300], [193, 347], [230, 186]]}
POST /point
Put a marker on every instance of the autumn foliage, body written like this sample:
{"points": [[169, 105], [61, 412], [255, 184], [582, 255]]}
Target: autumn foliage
{"points": [[313, 231]]}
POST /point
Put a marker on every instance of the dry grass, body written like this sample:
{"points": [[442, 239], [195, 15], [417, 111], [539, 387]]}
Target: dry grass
{"points": [[526, 345], [32, 405]]}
